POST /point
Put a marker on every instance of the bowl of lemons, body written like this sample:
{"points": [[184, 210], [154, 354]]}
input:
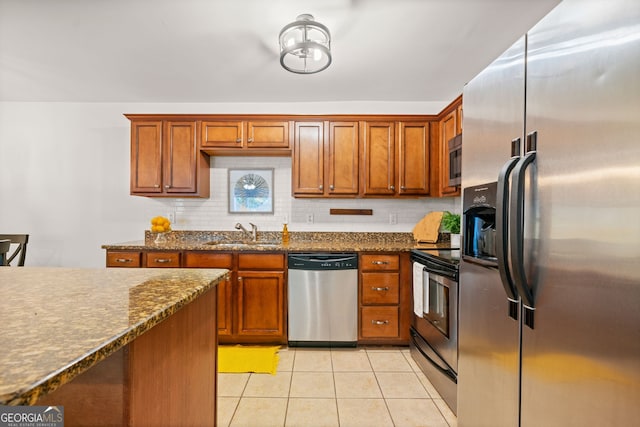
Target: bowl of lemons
{"points": [[160, 225]]}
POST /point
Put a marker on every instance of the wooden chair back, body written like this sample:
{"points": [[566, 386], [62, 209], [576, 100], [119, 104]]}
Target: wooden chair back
{"points": [[20, 251], [4, 248]]}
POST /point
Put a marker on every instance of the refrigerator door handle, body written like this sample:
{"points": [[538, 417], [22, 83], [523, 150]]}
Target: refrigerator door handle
{"points": [[516, 236], [502, 228]]}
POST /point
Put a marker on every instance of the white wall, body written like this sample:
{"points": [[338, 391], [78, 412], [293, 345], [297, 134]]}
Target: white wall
{"points": [[64, 179]]}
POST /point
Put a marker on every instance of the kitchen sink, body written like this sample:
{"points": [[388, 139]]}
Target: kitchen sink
{"points": [[241, 244]]}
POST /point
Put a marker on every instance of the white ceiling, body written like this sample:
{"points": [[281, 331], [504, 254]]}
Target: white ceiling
{"points": [[227, 51]]}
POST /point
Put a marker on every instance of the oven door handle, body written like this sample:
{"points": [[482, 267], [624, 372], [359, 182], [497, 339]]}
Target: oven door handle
{"points": [[439, 364]]}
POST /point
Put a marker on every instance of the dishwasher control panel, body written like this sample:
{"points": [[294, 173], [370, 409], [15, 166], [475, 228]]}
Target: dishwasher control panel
{"points": [[323, 261]]}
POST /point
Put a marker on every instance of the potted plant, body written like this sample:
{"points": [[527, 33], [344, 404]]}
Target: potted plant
{"points": [[451, 223]]}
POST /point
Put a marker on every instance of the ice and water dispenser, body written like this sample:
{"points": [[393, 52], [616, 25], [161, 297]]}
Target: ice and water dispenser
{"points": [[479, 222]]}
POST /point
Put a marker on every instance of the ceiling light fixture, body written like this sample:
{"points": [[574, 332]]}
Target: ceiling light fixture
{"points": [[305, 46]]}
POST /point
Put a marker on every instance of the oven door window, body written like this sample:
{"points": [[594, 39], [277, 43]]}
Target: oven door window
{"points": [[436, 302]]}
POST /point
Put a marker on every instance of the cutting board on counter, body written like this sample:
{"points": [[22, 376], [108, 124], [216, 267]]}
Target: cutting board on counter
{"points": [[426, 230]]}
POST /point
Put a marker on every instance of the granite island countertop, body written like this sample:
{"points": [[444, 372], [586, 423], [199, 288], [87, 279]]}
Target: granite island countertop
{"points": [[59, 322], [272, 241]]}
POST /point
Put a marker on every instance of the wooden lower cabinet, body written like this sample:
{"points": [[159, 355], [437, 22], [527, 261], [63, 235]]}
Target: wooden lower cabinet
{"points": [[124, 259], [384, 298], [251, 304], [225, 302]]}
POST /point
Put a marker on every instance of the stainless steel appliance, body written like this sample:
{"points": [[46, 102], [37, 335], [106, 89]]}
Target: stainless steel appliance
{"points": [[323, 299], [549, 311], [434, 327], [455, 160]]}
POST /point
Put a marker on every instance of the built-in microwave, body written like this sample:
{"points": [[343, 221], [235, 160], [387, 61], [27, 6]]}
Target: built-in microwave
{"points": [[455, 160]]}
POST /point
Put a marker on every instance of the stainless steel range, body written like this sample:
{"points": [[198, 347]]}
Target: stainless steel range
{"points": [[434, 327]]}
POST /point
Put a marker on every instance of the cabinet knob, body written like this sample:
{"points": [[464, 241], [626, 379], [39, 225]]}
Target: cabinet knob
{"points": [[380, 262], [250, 140], [379, 322], [392, 187], [240, 279], [167, 186], [238, 140], [403, 188], [156, 186], [321, 187], [331, 187]]}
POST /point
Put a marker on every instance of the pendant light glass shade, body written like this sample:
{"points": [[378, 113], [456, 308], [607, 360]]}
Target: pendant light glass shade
{"points": [[305, 46]]}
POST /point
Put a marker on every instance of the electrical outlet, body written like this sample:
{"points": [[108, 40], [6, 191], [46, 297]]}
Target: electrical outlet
{"points": [[393, 218], [309, 218]]}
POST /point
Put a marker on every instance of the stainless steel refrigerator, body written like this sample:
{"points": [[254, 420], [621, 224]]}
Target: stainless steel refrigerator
{"points": [[549, 315]]}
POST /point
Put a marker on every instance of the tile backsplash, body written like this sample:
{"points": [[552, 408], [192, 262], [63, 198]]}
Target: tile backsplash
{"points": [[397, 215]]}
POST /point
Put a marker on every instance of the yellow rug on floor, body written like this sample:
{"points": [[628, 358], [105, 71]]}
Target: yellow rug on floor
{"points": [[241, 358]]}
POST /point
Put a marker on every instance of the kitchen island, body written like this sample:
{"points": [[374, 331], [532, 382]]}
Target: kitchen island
{"points": [[113, 346]]}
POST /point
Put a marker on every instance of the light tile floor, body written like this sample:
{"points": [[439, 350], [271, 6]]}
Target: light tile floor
{"points": [[366, 387]]}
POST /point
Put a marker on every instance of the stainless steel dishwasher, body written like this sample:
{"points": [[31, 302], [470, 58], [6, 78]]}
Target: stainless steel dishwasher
{"points": [[323, 299]]}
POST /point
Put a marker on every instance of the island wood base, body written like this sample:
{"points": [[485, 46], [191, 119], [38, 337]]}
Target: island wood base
{"points": [[165, 377]]}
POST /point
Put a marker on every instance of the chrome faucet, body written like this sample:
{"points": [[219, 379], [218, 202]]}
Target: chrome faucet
{"points": [[253, 232]]}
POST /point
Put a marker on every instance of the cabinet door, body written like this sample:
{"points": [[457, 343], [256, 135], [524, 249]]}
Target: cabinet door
{"points": [[413, 158], [379, 158], [146, 157], [308, 158], [222, 134], [180, 154], [267, 134], [343, 155], [261, 303], [448, 127], [225, 301]]}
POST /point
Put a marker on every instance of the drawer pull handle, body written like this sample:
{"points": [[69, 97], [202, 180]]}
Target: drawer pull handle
{"points": [[124, 260], [380, 322], [380, 262], [163, 260], [386, 288]]}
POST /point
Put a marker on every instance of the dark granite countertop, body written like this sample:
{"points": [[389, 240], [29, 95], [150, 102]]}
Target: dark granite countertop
{"points": [[272, 241], [59, 322]]}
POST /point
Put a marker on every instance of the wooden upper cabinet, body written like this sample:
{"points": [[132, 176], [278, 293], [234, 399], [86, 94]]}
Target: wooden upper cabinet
{"points": [[222, 134], [378, 154], [448, 129], [237, 137], [326, 159], [146, 157], [413, 158], [342, 158], [165, 160], [308, 159]]}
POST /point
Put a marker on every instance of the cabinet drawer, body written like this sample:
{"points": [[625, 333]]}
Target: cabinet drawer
{"points": [[380, 322], [380, 288], [163, 259], [261, 261], [379, 262], [208, 260], [123, 259]]}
